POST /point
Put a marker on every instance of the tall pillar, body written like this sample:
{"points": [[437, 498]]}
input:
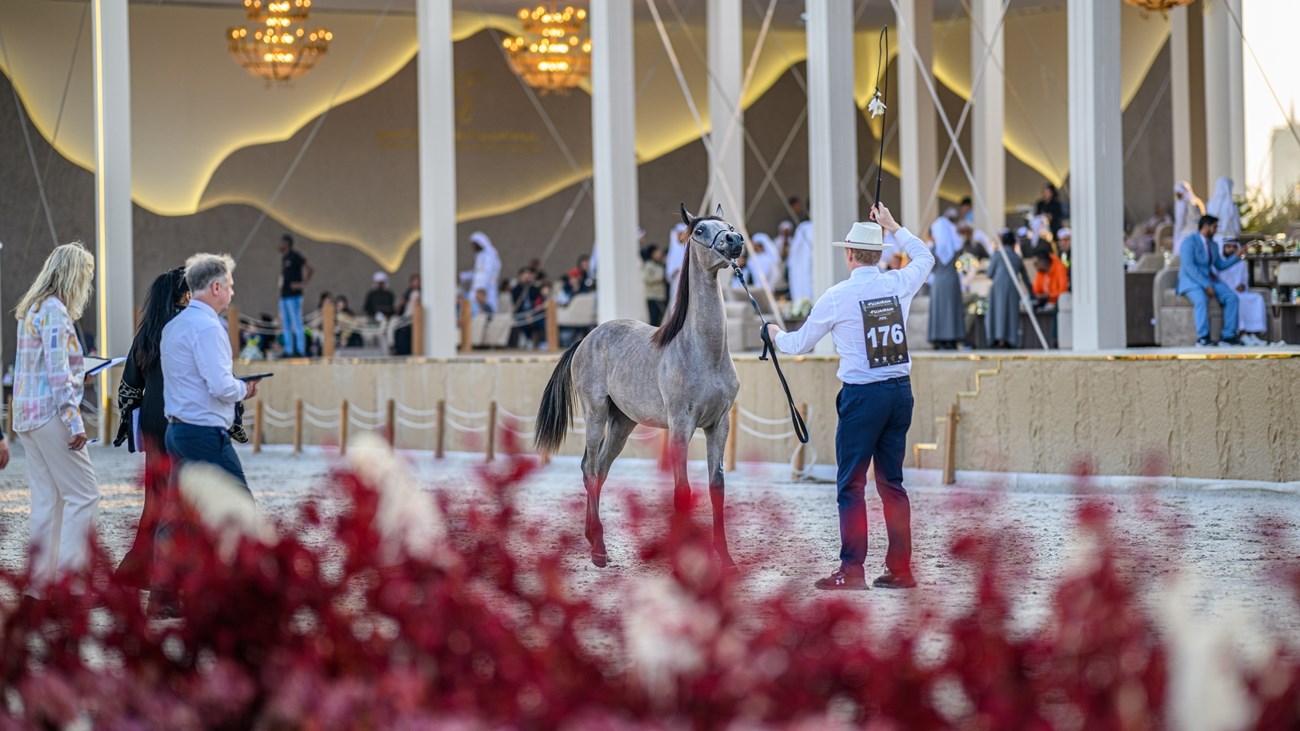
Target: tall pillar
{"points": [[726, 124], [832, 140], [436, 92], [613, 141], [989, 111], [114, 248], [1236, 99], [917, 148], [1096, 175], [1218, 96], [1187, 84]]}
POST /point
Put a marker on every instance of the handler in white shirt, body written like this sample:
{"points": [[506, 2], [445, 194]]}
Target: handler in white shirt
{"points": [[200, 390], [866, 316]]}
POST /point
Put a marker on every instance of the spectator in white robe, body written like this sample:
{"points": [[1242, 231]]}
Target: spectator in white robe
{"points": [[1252, 311], [487, 268], [1188, 210], [675, 261], [1225, 208], [765, 262], [799, 266]]}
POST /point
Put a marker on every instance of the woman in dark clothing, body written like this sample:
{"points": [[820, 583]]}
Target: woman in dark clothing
{"points": [[1050, 205], [140, 403]]}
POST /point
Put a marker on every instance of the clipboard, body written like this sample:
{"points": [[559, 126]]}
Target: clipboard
{"points": [[95, 365], [254, 377]]}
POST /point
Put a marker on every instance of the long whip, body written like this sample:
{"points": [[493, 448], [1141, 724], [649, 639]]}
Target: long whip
{"points": [[876, 107]]}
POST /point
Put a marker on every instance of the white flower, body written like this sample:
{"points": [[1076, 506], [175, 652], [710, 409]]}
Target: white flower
{"points": [[408, 518], [225, 507], [667, 633], [876, 106]]}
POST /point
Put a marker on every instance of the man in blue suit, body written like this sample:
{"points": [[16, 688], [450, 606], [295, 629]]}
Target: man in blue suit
{"points": [[1198, 281]]}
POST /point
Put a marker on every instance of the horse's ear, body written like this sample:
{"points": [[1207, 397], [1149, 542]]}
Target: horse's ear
{"points": [[718, 212], [686, 217]]}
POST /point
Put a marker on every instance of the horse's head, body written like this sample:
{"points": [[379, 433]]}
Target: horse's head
{"points": [[716, 235]]}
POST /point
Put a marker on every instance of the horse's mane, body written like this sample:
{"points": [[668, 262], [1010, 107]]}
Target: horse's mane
{"points": [[677, 318]]}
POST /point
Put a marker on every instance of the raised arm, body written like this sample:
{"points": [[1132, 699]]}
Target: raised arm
{"points": [[920, 258]]}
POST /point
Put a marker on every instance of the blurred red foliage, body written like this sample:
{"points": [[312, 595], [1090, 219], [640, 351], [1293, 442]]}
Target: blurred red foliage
{"points": [[323, 630]]}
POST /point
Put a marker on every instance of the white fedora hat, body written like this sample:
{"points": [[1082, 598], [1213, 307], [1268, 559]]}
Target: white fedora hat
{"points": [[864, 235]]}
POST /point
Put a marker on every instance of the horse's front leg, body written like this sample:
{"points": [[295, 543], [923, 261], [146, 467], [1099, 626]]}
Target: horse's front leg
{"points": [[716, 439], [679, 443]]}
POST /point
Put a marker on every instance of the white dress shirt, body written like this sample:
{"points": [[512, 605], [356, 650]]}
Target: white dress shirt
{"points": [[839, 313], [199, 387]]}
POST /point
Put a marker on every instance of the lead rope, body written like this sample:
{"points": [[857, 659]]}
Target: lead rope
{"points": [[800, 428]]}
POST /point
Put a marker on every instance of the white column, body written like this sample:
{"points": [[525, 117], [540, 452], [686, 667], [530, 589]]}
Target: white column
{"points": [[989, 112], [1236, 100], [1180, 88], [114, 249], [727, 126], [436, 91], [832, 141], [613, 142], [1218, 97], [916, 121], [1096, 175]]}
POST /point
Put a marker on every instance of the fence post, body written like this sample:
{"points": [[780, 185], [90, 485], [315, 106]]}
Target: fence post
{"points": [[297, 427], [343, 427], [258, 414], [417, 329], [441, 441], [232, 327], [391, 418], [734, 420], [950, 449], [106, 419], [552, 326], [491, 431], [327, 318], [799, 450], [9, 420], [466, 325]]}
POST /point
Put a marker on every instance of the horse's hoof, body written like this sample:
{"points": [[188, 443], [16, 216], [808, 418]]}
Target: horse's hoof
{"points": [[600, 560]]}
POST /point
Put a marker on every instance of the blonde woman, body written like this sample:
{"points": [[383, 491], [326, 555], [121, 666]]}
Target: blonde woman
{"points": [[49, 378]]}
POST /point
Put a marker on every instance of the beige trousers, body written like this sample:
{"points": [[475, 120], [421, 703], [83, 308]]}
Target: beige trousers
{"points": [[65, 500]]}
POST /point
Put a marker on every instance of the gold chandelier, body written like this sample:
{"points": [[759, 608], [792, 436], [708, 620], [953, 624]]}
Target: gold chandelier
{"points": [[273, 44], [1163, 6], [558, 59]]}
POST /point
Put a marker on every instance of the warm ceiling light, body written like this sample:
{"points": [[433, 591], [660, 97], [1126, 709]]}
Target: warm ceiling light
{"points": [[269, 45], [556, 58]]}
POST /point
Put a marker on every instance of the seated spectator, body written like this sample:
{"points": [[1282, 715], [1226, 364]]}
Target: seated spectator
{"points": [[346, 324], [974, 242], [1051, 279], [1142, 239], [655, 281], [572, 287], [530, 318], [1198, 281], [481, 305], [588, 279], [380, 303], [1063, 246], [1252, 311]]}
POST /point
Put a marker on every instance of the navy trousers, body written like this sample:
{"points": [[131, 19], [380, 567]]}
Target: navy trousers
{"points": [[874, 419], [211, 444]]}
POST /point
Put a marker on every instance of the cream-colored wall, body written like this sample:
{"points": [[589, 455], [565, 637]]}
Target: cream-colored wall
{"points": [[1218, 418]]}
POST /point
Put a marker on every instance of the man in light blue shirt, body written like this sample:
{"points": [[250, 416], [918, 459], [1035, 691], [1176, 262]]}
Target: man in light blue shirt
{"points": [[1200, 261], [200, 391], [866, 316]]}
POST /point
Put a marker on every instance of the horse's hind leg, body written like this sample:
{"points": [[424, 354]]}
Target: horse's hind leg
{"points": [[716, 439], [595, 413]]}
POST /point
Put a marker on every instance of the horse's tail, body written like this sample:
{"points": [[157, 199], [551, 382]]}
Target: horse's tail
{"points": [[553, 417]]}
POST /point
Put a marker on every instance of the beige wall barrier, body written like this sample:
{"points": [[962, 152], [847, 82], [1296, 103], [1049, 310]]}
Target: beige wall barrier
{"points": [[1205, 416]]}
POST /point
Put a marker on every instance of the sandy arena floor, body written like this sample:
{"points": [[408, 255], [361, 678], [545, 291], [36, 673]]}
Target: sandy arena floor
{"points": [[1222, 544]]}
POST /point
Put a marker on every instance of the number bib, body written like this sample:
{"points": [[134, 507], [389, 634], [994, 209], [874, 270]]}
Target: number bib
{"points": [[882, 321]]}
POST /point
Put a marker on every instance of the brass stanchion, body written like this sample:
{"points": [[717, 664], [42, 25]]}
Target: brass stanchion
{"points": [[733, 420], [441, 440], [491, 432], [327, 319], [343, 427], [391, 418], [552, 326], [417, 330], [259, 414], [297, 427], [950, 449]]}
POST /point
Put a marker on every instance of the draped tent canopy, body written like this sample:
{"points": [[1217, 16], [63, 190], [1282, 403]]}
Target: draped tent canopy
{"points": [[206, 134]]}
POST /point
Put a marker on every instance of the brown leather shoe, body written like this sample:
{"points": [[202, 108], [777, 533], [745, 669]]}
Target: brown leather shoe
{"points": [[891, 580], [842, 581]]}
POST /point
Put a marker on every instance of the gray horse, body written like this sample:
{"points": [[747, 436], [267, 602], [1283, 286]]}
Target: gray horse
{"points": [[678, 377]]}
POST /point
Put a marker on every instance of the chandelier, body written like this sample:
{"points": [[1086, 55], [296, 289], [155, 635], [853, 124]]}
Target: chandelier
{"points": [[273, 44], [1163, 6], [556, 59]]}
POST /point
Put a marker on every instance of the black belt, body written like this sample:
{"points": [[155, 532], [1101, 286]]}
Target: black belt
{"points": [[899, 379]]}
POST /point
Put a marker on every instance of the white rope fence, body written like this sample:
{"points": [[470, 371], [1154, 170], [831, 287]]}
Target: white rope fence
{"points": [[490, 422]]}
